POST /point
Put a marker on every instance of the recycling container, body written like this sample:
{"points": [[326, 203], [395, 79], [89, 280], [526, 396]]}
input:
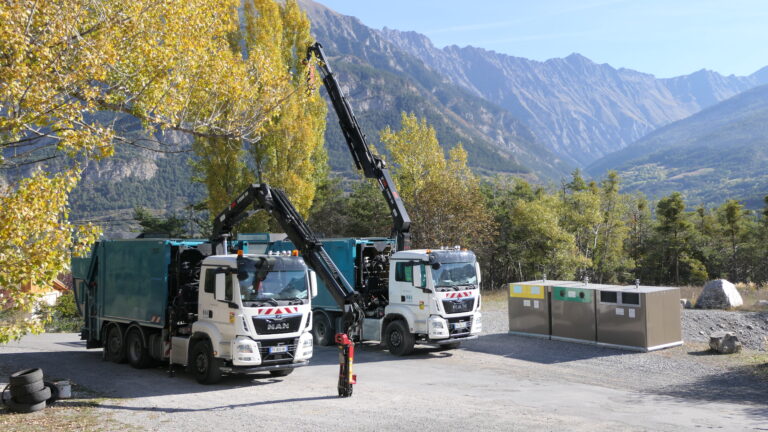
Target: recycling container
{"points": [[638, 317], [528, 307], [572, 312]]}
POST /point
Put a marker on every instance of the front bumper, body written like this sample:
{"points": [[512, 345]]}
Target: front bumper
{"points": [[450, 341], [248, 369]]}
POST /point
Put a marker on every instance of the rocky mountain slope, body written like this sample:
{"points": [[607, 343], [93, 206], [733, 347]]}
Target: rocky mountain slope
{"points": [[581, 109], [381, 81], [721, 152]]}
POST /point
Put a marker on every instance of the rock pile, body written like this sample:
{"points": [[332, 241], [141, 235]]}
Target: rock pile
{"points": [[724, 342]]}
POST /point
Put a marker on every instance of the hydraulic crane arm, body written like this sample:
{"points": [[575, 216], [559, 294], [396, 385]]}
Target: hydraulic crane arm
{"points": [[371, 165], [274, 201]]}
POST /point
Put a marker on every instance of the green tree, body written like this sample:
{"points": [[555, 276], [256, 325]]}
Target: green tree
{"points": [[173, 226], [288, 153], [674, 229], [610, 260], [443, 196]]}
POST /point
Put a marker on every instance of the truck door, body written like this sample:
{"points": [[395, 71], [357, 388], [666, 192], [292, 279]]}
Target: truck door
{"points": [[404, 292], [215, 311]]}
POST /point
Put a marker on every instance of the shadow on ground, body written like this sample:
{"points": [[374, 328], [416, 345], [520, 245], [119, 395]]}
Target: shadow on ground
{"points": [[539, 350], [737, 385]]}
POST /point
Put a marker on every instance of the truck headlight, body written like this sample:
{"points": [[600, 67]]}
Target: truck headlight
{"points": [[437, 324], [245, 349]]}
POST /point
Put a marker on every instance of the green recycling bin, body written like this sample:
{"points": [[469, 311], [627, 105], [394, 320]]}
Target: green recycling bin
{"points": [[573, 312]]}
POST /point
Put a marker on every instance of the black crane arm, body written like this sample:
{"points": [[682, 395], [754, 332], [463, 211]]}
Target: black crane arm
{"points": [[371, 165], [274, 201]]}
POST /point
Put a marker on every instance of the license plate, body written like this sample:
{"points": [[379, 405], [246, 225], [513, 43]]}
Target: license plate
{"points": [[461, 325], [278, 349]]}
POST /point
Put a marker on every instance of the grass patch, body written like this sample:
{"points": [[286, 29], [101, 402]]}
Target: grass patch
{"points": [[496, 296], [69, 415]]}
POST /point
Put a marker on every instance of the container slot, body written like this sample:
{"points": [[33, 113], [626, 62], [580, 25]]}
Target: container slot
{"points": [[609, 297], [630, 298]]}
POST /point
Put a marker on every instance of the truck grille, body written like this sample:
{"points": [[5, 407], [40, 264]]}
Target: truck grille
{"points": [[281, 357], [460, 326], [277, 324], [453, 306]]}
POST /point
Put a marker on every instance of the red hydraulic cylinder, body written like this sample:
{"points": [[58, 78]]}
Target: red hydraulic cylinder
{"points": [[346, 359]]}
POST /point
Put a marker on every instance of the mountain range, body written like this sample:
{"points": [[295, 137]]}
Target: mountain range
{"points": [[578, 108], [718, 153], [535, 119]]}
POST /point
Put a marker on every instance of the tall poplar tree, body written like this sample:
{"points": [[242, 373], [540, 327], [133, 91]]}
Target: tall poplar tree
{"points": [[288, 153]]}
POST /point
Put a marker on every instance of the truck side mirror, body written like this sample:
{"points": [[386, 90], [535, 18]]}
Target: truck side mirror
{"points": [[221, 282], [313, 283], [418, 275], [477, 270]]}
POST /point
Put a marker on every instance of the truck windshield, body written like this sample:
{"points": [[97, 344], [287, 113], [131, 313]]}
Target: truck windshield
{"points": [[454, 274], [268, 280], [276, 285]]}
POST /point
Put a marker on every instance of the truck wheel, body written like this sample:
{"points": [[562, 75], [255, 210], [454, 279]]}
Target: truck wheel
{"points": [[136, 349], [204, 365], [322, 330], [26, 376], [33, 398], [26, 389], [24, 408], [281, 372], [114, 348], [399, 340]]}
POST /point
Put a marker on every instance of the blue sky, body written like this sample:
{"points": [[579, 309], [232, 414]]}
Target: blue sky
{"points": [[663, 37]]}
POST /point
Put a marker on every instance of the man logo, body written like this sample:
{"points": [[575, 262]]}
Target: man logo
{"points": [[277, 326]]}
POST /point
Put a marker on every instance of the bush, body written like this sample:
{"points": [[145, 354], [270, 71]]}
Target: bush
{"points": [[62, 317]]}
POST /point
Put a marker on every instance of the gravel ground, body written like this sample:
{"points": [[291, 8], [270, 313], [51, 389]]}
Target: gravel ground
{"points": [[750, 327]]}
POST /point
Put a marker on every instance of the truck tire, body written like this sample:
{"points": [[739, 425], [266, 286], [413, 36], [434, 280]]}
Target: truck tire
{"points": [[136, 349], [24, 408], [54, 393], [33, 398], [322, 330], [398, 339], [204, 365], [281, 372], [26, 376], [26, 389], [114, 346]]}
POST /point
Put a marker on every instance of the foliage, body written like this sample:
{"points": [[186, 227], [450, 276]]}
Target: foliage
{"points": [[288, 152], [62, 316], [35, 243], [173, 226], [441, 194], [70, 69]]}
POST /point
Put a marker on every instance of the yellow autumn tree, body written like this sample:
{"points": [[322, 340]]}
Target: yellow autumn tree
{"points": [[67, 69], [289, 152], [442, 194]]}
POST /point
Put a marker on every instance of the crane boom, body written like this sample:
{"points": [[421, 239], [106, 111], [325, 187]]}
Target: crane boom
{"points": [[277, 204], [371, 165]]}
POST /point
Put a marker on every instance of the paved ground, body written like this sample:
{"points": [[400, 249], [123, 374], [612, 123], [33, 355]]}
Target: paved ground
{"points": [[500, 382]]}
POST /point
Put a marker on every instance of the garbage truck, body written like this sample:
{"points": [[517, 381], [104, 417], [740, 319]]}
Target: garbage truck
{"points": [[428, 296], [418, 296]]}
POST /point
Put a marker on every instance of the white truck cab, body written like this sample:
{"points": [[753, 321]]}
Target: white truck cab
{"points": [[254, 314], [434, 298]]}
